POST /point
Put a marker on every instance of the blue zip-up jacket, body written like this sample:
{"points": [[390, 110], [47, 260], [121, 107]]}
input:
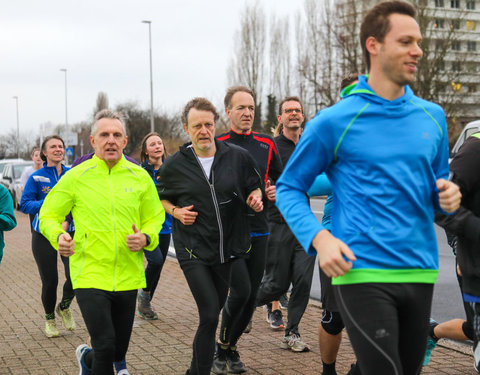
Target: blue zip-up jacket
{"points": [[382, 158], [38, 186], [167, 224]]}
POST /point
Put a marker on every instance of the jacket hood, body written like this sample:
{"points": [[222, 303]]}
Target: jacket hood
{"points": [[362, 88]]}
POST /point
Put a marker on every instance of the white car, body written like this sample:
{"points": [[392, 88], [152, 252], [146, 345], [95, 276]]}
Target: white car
{"points": [[468, 130]]}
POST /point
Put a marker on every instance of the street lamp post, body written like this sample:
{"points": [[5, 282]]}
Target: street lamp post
{"points": [[18, 129], [66, 102], [151, 74]]}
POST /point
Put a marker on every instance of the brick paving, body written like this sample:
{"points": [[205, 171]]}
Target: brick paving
{"points": [[161, 346]]}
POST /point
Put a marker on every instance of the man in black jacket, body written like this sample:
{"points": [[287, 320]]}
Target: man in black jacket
{"points": [[247, 271], [206, 187], [287, 262], [465, 224]]}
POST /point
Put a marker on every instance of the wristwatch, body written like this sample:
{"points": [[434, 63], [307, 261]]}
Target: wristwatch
{"points": [[148, 239]]}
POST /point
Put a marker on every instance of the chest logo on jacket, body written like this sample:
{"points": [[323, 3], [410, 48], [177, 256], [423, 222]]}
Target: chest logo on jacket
{"points": [[46, 189]]}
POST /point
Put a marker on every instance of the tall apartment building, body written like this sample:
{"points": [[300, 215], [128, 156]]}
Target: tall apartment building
{"points": [[452, 34]]}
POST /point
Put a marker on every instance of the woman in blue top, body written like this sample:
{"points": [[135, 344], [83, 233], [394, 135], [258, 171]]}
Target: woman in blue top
{"points": [[38, 186], [152, 156]]}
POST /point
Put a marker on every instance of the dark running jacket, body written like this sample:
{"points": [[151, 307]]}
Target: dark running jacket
{"points": [[264, 151], [220, 230], [465, 222]]}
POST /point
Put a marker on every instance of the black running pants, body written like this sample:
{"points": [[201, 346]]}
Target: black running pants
{"points": [[244, 282], [209, 287], [109, 320], [46, 258], [387, 324]]}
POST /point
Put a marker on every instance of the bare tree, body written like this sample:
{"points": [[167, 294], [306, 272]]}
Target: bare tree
{"points": [[247, 64], [101, 103], [280, 66]]}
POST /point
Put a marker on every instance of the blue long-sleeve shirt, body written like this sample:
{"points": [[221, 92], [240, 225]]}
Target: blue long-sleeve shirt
{"points": [[382, 158]]}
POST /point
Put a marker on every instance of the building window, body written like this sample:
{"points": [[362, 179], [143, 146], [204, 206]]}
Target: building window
{"points": [[442, 65], [423, 3], [472, 87], [439, 24], [454, 3], [456, 45], [456, 66], [471, 4], [471, 45], [454, 24], [471, 25], [439, 3]]}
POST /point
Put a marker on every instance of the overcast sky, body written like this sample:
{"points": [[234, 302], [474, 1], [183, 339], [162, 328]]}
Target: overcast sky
{"points": [[104, 47]]}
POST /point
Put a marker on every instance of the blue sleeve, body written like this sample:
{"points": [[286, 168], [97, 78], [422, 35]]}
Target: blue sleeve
{"points": [[7, 215], [311, 157], [321, 186], [30, 204]]}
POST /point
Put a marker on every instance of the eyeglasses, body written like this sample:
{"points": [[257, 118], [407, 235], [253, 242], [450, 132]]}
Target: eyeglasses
{"points": [[290, 110]]}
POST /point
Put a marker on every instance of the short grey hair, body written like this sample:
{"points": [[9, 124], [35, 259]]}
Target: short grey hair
{"points": [[107, 113]]}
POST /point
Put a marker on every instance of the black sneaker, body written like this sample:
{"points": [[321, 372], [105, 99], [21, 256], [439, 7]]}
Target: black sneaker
{"points": [[219, 365], [276, 320], [283, 301], [354, 370], [234, 364]]}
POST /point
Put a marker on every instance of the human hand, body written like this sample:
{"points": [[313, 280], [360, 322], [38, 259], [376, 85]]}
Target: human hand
{"points": [[185, 215], [136, 241], [330, 252], [270, 191], [449, 195], [66, 245]]}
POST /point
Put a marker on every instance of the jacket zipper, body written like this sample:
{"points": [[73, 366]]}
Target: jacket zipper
{"points": [[114, 227], [215, 204]]}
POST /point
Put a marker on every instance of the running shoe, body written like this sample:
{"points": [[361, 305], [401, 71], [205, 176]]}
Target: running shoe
{"points": [[51, 329], [144, 306], [294, 343], [476, 356], [431, 342], [219, 365], [276, 320], [121, 367], [234, 364], [67, 318], [248, 328], [283, 301], [80, 353], [354, 369], [268, 307]]}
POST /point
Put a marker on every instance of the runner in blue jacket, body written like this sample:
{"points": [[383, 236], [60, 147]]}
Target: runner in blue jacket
{"points": [[385, 152]]}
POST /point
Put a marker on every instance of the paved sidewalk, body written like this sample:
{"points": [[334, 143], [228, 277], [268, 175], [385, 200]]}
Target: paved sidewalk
{"points": [[161, 346]]}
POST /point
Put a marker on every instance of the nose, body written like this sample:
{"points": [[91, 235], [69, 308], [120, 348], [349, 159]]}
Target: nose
{"points": [[417, 50]]}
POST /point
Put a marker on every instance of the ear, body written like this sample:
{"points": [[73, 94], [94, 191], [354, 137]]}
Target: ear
{"points": [[279, 119], [92, 141], [125, 141], [186, 129], [372, 45], [227, 111]]}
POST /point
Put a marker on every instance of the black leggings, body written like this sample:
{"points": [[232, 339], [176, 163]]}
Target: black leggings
{"points": [[209, 287], [244, 283], [387, 325], [46, 257], [155, 263], [287, 262], [109, 320]]}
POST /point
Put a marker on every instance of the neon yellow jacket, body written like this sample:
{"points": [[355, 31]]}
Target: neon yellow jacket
{"points": [[104, 204]]}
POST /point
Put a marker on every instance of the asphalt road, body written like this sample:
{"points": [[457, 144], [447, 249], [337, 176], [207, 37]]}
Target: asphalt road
{"points": [[447, 300]]}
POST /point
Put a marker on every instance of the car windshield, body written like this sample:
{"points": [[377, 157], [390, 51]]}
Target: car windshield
{"points": [[18, 170]]}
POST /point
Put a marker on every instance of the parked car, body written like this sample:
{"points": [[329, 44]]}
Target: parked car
{"points": [[10, 178], [468, 130], [4, 162]]}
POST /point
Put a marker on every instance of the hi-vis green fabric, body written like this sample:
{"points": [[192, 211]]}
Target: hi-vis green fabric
{"points": [[104, 203]]}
